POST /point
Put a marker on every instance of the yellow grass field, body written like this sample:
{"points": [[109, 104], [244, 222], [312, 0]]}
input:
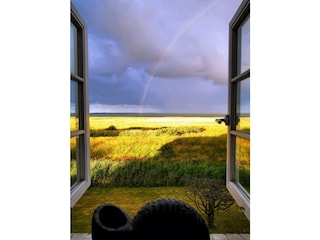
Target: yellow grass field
{"points": [[137, 142], [123, 122]]}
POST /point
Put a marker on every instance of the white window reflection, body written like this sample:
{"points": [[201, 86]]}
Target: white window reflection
{"points": [[244, 46], [73, 47]]}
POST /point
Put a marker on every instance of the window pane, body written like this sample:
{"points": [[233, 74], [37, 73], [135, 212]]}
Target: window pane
{"points": [[242, 174], [243, 106], [74, 107], [74, 160], [244, 46], [73, 48]]}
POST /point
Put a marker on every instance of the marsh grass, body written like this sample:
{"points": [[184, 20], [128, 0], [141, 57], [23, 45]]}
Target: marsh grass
{"points": [[154, 145], [151, 173], [147, 137]]}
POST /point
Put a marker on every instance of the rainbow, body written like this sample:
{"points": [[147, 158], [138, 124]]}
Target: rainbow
{"points": [[202, 12]]}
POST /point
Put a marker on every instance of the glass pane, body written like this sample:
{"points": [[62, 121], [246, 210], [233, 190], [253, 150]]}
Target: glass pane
{"points": [[74, 160], [74, 108], [73, 48], [242, 174], [243, 106], [244, 46]]}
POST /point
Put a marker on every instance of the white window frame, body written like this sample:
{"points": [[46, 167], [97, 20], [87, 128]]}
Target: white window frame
{"points": [[238, 193], [83, 133]]}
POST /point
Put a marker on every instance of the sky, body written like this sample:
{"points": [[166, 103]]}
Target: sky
{"points": [[158, 56]]}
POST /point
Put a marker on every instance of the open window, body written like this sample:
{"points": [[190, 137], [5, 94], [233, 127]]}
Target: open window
{"points": [[238, 149], [79, 108]]}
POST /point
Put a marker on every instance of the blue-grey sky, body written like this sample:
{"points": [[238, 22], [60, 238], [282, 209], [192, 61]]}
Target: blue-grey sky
{"points": [[158, 55]]}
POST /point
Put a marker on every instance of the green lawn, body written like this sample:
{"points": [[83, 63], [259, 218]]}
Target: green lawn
{"points": [[132, 199]]}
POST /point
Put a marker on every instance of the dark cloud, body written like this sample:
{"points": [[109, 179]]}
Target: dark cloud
{"points": [[173, 38], [134, 45], [123, 88], [105, 57]]}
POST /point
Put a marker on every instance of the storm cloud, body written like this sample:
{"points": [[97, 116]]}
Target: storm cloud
{"points": [[138, 47]]}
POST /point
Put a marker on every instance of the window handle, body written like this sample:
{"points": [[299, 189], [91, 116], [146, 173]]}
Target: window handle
{"points": [[225, 120]]}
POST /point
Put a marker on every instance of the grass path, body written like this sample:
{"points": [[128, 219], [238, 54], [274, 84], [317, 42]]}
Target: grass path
{"points": [[132, 199]]}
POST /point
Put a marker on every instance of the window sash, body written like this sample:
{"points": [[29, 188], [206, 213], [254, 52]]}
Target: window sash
{"points": [[80, 78], [235, 78]]}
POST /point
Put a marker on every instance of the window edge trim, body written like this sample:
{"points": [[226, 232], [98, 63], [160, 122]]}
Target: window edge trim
{"points": [[77, 191], [242, 200]]}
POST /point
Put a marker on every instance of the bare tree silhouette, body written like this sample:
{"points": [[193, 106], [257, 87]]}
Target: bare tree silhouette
{"points": [[209, 196]]}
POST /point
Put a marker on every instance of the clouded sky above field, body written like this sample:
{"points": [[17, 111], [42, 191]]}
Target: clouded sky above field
{"points": [[158, 56]]}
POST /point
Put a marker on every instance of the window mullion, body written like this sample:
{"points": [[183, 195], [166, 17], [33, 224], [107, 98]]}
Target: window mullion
{"points": [[240, 134], [77, 133], [241, 76], [76, 78]]}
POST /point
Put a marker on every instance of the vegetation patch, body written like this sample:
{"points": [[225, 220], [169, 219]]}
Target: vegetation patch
{"points": [[112, 131], [110, 173]]}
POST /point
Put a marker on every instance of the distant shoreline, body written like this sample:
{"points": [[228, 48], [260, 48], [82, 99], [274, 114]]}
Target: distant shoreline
{"points": [[156, 115]]}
